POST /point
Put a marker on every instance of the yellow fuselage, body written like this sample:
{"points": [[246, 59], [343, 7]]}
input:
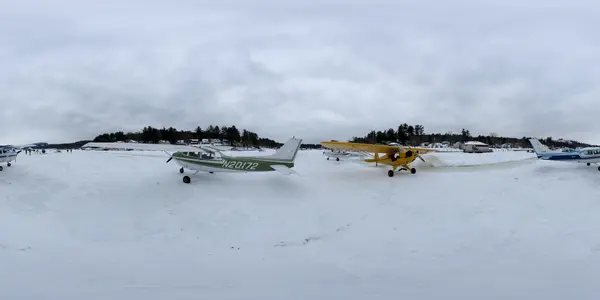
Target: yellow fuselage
{"points": [[386, 159]]}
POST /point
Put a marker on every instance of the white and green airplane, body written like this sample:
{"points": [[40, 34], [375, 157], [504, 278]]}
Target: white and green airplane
{"points": [[208, 159]]}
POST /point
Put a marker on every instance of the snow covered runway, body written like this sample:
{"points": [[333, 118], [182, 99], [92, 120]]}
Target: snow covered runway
{"points": [[122, 225]]}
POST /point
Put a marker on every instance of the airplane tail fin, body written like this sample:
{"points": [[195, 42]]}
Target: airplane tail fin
{"points": [[538, 147], [288, 151]]}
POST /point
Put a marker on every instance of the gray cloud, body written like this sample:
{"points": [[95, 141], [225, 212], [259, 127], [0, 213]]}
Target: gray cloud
{"points": [[314, 69]]}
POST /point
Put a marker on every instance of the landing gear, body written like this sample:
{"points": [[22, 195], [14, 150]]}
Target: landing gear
{"points": [[181, 170], [337, 159], [1, 168], [328, 158], [8, 164], [588, 164], [598, 168], [187, 179], [412, 171]]}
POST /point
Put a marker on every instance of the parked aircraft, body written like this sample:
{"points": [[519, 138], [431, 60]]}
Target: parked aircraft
{"points": [[8, 154], [588, 155], [208, 159], [394, 155], [337, 154]]}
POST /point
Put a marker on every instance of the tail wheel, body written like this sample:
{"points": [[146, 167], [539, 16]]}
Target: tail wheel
{"points": [[181, 170], [598, 169], [413, 171], [588, 164], [187, 179], [328, 158], [8, 164], [1, 168], [391, 173], [337, 159]]}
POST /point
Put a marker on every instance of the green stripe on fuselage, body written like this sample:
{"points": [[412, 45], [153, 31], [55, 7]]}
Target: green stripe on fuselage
{"points": [[242, 164]]}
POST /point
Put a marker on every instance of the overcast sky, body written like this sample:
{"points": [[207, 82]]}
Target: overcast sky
{"points": [[315, 69]]}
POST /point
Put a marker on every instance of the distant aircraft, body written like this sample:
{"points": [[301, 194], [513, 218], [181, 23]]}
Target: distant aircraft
{"points": [[589, 155], [7, 155], [208, 159], [394, 155], [337, 154]]}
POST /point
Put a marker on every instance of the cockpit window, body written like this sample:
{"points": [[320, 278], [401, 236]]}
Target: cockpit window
{"points": [[202, 155], [192, 154]]}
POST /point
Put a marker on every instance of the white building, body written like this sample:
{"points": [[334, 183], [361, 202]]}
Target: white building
{"points": [[476, 147]]}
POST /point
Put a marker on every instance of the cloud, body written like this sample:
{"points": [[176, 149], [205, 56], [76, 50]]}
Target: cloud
{"points": [[314, 69]]}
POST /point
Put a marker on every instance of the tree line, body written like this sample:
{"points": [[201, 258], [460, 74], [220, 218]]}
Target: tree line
{"points": [[404, 134], [149, 134], [415, 135]]}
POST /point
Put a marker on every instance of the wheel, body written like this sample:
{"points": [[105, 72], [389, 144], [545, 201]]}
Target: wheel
{"points": [[1, 168], [187, 179], [337, 159], [181, 170], [598, 169], [391, 173], [8, 164], [588, 164], [328, 158], [413, 171]]}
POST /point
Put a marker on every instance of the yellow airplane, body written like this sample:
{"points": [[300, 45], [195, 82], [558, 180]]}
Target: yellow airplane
{"points": [[394, 155]]}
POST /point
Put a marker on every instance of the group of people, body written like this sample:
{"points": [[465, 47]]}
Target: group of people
{"points": [[28, 151]]}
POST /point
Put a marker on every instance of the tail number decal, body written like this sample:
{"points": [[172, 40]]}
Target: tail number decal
{"points": [[239, 165]]}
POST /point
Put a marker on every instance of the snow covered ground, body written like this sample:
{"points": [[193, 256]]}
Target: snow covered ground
{"points": [[123, 225]]}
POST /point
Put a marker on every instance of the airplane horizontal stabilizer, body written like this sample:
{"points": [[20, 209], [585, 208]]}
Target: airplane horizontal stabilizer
{"points": [[283, 169]]}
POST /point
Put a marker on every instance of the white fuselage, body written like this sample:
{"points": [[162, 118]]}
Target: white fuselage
{"points": [[586, 155], [337, 154], [342, 153], [7, 155], [589, 155]]}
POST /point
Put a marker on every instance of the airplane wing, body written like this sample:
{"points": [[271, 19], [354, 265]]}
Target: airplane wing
{"points": [[142, 146], [371, 148]]}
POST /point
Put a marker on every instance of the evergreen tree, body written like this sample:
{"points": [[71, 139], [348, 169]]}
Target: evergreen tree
{"points": [[198, 133]]}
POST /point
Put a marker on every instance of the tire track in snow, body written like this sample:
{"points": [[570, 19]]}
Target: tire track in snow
{"points": [[313, 238]]}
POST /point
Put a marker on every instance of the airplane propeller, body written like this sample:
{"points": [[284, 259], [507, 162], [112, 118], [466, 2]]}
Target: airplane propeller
{"points": [[401, 148], [170, 156], [415, 153]]}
